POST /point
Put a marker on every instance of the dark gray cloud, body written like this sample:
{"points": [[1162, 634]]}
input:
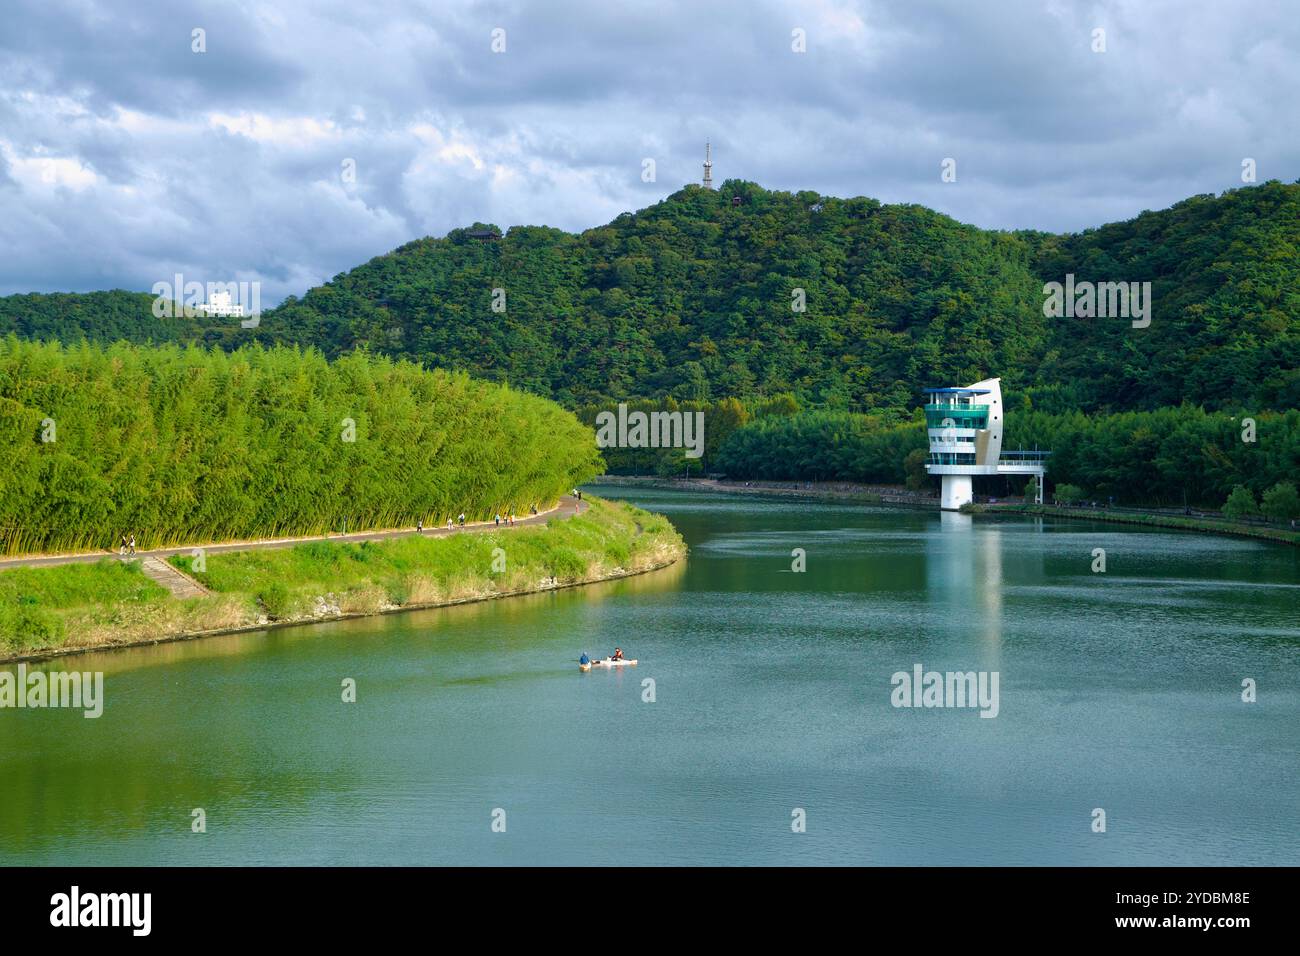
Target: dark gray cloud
{"points": [[126, 157]]}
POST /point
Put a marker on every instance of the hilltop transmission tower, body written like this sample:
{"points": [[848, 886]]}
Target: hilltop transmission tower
{"points": [[708, 166]]}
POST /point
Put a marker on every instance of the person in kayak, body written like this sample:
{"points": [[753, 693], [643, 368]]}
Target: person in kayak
{"points": [[618, 654], [584, 659]]}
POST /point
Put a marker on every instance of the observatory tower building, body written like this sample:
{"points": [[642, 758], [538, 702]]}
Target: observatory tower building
{"points": [[965, 427]]}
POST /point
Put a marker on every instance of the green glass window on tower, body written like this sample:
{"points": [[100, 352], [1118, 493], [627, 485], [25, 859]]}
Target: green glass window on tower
{"points": [[968, 416]]}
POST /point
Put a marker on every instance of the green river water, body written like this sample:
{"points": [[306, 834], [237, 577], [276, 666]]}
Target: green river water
{"points": [[772, 692]]}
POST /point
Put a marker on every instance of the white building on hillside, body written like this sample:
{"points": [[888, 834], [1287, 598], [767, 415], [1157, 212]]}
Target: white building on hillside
{"points": [[219, 304], [965, 427]]}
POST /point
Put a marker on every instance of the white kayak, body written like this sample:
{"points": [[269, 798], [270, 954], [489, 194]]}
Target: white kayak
{"points": [[607, 662]]}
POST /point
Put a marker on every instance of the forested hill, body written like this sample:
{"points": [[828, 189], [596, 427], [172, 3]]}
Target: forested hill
{"points": [[695, 297]]}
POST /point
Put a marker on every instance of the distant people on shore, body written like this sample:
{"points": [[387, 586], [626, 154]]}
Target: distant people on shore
{"points": [[461, 519], [419, 526], [450, 524]]}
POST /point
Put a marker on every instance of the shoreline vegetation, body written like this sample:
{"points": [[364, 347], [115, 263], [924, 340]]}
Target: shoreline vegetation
{"points": [[889, 495], [65, 609]]}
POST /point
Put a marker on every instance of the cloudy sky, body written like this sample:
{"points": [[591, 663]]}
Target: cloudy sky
{"points": [[126, 156]]}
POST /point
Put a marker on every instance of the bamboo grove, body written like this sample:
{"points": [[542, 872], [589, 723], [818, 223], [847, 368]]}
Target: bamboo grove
{"points": [[182, 445]]}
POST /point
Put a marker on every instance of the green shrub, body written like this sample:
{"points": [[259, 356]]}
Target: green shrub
{"points": [[566, 564], [618, 552], [321, 551], [276, 599], [1067, 494], [1280, 503], [27, 625], [1240, 504]]}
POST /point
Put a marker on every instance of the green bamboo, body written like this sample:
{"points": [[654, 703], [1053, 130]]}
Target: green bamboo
{"points": [[182, 445]]}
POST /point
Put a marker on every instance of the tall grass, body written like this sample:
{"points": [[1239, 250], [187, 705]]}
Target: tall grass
{"points": [[180, 445]]}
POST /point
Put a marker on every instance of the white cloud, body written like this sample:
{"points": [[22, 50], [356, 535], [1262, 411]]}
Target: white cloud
{"points": [[288, 131], [39, 172]]}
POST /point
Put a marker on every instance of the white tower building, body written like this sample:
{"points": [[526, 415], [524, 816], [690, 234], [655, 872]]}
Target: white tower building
{"points": [[219, 304], [965, 428], [708, 166]]}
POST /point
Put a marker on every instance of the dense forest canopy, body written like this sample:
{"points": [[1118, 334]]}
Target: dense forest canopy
{"points": [[694, 298], [178, 445]]}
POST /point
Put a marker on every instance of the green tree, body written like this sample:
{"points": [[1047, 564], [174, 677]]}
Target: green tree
{"points": [[1067, 494], [1281, 502], [914, 466], [1240, 504], [784, 404]]}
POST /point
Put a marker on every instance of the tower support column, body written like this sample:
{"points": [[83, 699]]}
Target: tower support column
{"points": [[957, 490]]}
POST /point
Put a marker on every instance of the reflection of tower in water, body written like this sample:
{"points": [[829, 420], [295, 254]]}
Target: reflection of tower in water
{"points": [[964, 575]]}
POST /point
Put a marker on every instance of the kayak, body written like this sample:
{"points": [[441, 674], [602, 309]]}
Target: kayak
{"points": [[607, 662]]}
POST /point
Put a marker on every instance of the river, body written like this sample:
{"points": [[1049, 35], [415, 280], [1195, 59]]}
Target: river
{"points": [[474, 739]]}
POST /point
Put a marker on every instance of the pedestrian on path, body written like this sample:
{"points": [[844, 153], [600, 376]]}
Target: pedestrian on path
{"points": [[419, 526], [131, 547], [450, 523], [461, 519]]}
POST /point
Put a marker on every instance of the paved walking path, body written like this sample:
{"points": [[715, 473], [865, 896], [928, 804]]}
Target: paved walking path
{"points": [[567, 507]]}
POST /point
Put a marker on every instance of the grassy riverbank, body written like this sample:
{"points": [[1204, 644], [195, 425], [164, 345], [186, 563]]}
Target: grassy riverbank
{"points": [[1284, 535], [85, 606]]}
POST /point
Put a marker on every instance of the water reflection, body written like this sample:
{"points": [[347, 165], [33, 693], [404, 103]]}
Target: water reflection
{"points": [[964, 575]]}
